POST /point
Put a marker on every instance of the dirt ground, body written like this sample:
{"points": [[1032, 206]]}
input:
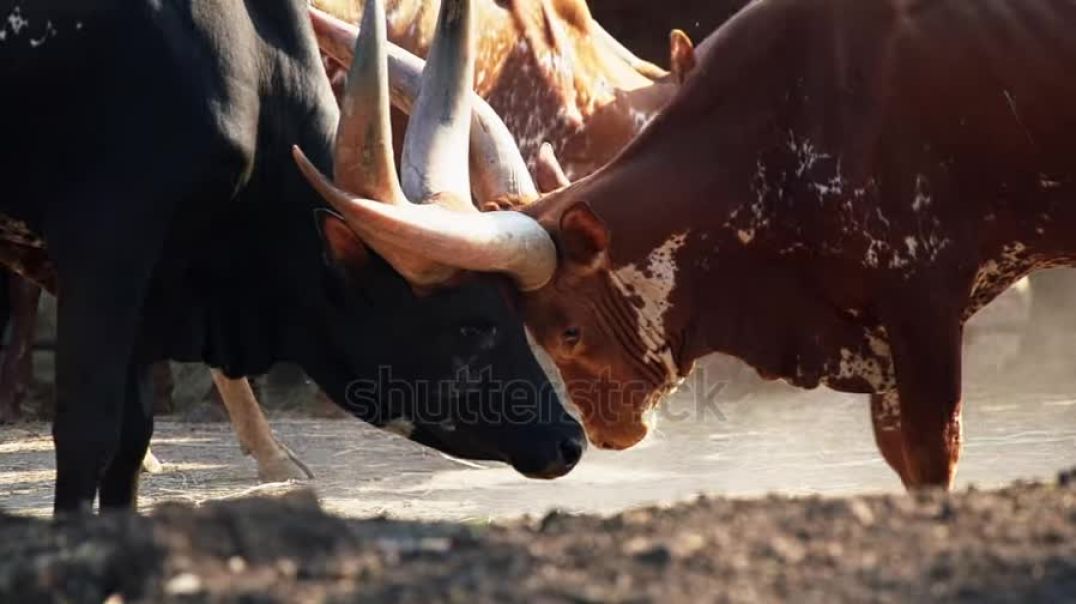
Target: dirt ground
{"points": [[794, 443], [1016, 544]]}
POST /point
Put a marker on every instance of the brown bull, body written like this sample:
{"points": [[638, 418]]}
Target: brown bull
{"points": [[839, 186]]}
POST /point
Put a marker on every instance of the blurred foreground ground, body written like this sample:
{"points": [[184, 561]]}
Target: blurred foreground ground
{"points": [[1013, 545]]}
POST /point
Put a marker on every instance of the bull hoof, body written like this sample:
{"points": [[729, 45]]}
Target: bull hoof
{"points": [[150, 463], [283, 468]]}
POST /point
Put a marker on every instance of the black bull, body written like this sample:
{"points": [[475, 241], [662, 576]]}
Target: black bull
{"points": [[147, 143]]}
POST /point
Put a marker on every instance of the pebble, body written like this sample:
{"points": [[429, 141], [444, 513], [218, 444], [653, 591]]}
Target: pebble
{"points": [[183, 584], [861, 511], [236, 564], [787, 550]]}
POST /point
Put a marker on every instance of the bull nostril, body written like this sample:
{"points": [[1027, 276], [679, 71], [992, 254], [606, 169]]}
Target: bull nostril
{"points": [[570, 451]]}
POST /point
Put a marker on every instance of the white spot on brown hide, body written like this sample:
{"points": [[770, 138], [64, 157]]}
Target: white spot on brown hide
{"points": [[651, 287], [874, 367], [887, 414]]}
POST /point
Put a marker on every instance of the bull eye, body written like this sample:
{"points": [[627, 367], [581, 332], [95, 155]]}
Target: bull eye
{"points": [[571, 337]]}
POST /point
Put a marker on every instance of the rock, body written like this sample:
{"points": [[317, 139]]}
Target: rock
{"points": [[184, 584], [861, 511]]}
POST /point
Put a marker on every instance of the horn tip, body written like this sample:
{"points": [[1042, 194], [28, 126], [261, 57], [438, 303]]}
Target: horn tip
{"points": [[307, 168], [298, 155]]}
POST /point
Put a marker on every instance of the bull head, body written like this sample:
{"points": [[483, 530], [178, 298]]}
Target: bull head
{"points": [[441, 234], [393, 217]]}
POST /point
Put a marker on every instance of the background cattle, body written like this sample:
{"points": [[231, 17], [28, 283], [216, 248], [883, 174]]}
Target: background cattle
{"points": [[547, 68], [19, 300]]}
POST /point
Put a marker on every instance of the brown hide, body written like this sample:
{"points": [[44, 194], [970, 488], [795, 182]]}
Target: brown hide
{"points": [[543, 68], [22, 253], [838, 187], [17, 368]]}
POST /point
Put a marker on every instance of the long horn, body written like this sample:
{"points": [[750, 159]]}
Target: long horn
{"points": [[435, 146], [550, 174], [498, 171], [363, 160], [508, 242]]}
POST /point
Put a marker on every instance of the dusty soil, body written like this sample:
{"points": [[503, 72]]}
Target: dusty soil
{"points": [[1013, 544], [794, 443]]}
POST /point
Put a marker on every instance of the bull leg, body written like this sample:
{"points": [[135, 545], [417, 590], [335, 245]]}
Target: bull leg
{"points": [[119, 485], [9, 412], [926, 350], [164, 386], [103, 285], [91, 362], [885, 417], [16, 372], [276, 462]]}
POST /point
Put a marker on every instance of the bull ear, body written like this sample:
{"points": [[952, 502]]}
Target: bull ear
{"points": [[343, 246], [681, 55], [584, 238]]}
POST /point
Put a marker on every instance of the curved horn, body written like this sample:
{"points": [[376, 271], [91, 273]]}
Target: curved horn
{"points": [[363, 157], [508, 242], [429, 243], [435, 146], [498, 171], [549, 172], [336, 38], [363, 160], [498, 167]]}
